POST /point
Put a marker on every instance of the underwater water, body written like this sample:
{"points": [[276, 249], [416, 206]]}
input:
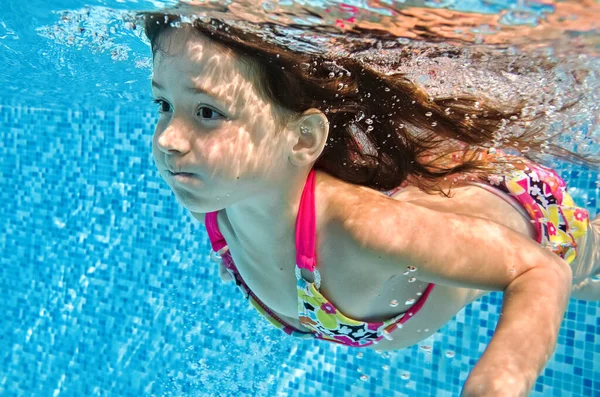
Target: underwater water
{"points": [[106, 285]]}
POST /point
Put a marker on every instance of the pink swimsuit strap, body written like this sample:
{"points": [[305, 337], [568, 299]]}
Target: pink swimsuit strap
{"points": [[217, 241], [306, 226]]}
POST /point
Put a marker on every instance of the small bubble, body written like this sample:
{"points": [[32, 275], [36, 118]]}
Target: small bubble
{"points": [[359, 355], [450, 354], [385, 367], [387, 89], [411, 269], [412, 280], [426, 348], [410, 302], [331, 75], [405, 376], [340, 86], [428, 114], [369, 121], [394, 303], [364, 378], [434, 124]]}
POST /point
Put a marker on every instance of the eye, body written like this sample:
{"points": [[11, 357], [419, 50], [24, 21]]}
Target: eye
{"points": [[209, 113], [161, 103]]}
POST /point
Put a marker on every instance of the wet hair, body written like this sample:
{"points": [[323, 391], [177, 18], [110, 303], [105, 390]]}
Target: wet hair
{"points": [[384, 128]]}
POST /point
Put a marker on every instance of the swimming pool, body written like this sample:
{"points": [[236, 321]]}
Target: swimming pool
{"points": [[106, 284]]}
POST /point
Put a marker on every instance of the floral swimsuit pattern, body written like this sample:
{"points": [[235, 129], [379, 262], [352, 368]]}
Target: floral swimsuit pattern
{"points": [[543, 194]]}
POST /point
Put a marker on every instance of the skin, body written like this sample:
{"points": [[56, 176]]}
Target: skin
{"points": [[239, 158], [243, 160]]}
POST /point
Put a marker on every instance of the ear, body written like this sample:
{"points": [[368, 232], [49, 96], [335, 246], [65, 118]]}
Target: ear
{"points": [[311, 131]]}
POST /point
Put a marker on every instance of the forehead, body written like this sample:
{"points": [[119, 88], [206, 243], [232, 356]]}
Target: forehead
{"points": [[184, 58], [190, 52]]}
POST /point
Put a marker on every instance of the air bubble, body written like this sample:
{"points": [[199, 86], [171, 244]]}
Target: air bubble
{"points": [[450, 354], [364, 378], [412, 280], [394, 303], [410, 302], [428, 114], [405, 376]]}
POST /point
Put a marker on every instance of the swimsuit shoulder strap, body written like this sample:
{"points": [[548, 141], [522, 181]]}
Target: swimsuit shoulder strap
{"points": [[217, 240], [306, 227]]}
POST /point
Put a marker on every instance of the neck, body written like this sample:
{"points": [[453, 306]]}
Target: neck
{"points": [[266, 224]]}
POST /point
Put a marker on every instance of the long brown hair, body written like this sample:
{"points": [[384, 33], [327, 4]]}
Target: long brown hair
{"points": [[383, 127]]}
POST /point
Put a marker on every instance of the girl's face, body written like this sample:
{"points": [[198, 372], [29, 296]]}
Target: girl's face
{"points": [[214, 126]]}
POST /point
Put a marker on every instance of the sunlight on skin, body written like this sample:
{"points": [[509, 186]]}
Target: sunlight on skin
{"points": [[244, 160], [234, 150]]}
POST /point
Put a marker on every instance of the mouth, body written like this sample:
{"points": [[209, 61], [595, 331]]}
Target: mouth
{"points": [[181, 173]]}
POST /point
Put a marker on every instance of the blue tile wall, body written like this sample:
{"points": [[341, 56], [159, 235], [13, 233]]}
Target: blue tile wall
{"points": [[106, 287]]}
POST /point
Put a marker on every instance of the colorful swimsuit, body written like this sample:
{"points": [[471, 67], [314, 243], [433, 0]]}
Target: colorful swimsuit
{"points": [[539, 190], [315, 312]]}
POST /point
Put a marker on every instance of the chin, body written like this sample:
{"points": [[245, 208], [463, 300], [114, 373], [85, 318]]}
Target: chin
{"points": [[195, 205]]}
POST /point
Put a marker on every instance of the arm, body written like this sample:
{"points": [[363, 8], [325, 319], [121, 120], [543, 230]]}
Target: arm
{"points": [[472, 252], [532, 310]]}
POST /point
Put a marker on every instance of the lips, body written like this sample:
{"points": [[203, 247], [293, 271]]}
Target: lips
{"points": [[181, 173]]}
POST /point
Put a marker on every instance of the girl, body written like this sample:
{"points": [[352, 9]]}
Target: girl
{"points": [[289, 158]]}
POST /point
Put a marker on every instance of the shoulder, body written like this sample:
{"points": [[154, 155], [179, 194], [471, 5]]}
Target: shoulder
{"points": [[356, 216]]}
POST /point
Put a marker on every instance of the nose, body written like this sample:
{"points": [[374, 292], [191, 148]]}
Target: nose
{"points": [[175, 139]]}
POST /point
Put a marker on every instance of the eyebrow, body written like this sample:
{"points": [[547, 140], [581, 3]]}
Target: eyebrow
{"points": [[192, 90]]}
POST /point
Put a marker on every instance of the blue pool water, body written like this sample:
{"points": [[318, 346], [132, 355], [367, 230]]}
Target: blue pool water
{"points": [[106, 286]]}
